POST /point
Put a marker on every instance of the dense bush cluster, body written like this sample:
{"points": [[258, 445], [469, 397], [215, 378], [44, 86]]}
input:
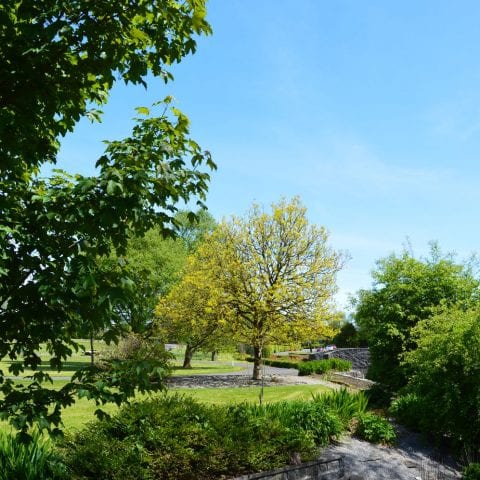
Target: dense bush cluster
{"points": [[442, 397], [323, 366], [171, 437]]}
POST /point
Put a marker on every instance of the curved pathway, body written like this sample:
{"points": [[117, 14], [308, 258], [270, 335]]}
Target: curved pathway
{"points": [[272, 376]]}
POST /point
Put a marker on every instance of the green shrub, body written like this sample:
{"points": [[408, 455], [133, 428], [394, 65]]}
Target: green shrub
{"points": [[27, 461], [445, 375], [379, 396], [471, 472], [407, 410], [375, 429], [171, 437], [323, 366]]}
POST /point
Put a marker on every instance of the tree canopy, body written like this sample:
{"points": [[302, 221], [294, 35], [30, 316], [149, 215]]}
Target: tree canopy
{"points": [[445, 377], [195, 312], [58, 61], [407, 290], [277, 273], [157, 263]]}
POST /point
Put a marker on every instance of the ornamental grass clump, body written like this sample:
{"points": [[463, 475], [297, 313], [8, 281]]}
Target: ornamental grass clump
{"points": [[33, 460], [344, 404]]}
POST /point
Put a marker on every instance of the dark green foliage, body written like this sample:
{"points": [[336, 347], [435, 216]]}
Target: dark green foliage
{"points": [[347, 337], [28, 461], [407, 290], [63, 239], [444, 383], [379, 396], [472, 472], [408, 410], [375, 429], [58, 59], [171, 437], [323, 366]]}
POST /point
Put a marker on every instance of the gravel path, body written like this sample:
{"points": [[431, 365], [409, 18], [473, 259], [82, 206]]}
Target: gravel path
{"points": [[272, 377], [410, 459]]}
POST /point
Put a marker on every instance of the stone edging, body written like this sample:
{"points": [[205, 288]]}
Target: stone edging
{"points": [[329, 468]]}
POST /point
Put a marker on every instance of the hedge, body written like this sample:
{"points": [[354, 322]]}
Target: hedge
{"points": [[323, 366]]}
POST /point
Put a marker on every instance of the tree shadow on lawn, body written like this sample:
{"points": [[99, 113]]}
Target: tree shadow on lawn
{"points": [[45, 366]]}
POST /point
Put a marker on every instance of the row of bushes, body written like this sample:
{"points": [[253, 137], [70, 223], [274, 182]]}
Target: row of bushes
{"points": [[277, 363], [323, 366], [310, 367], [171, 437]]}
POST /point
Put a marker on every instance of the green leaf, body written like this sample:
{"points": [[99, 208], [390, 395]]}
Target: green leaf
{"points": [[142, 111]]}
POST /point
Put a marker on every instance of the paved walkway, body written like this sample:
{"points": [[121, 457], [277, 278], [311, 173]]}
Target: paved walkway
{"points": [[272, 376]]}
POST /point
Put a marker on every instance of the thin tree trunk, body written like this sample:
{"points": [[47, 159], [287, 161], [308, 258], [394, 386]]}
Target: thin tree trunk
{"points": [[92, 351], [214, 355], [257, 359], [187, 361]]}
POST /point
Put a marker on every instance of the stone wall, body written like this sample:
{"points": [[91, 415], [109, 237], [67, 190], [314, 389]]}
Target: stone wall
{"points": [[323, 469], [360, 357]]}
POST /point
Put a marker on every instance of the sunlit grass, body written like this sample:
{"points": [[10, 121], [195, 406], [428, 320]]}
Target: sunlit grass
{"points": [[220, 396], [83, 411]]}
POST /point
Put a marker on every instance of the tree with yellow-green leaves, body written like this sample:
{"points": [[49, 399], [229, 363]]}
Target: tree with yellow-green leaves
{"points": [[195, 312], [276, 274]]}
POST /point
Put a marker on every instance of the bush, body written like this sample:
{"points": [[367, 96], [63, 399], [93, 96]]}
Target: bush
{"points": [[171, 437], [375, 429], [407, 410], [27, 461], [445, 375], [472, 472], [277, 363], [323, 366], [379, 396]]}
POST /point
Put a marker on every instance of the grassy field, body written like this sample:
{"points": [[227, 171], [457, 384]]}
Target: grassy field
{"points": [[82, 412]]}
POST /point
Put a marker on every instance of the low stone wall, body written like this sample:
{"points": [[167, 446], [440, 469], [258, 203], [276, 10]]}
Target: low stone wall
{"points": [[360, 357], [344, 378], [323, 469]]}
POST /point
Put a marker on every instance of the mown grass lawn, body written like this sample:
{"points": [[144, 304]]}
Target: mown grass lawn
{"points": [[82, 411]]}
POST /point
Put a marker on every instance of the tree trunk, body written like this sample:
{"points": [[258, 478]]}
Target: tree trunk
{"points": [[257, 359], [187, 361], [92, 351], [214, 355]]}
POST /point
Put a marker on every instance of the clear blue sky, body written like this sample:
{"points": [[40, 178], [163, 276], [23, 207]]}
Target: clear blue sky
{"points": [[368, 110]]}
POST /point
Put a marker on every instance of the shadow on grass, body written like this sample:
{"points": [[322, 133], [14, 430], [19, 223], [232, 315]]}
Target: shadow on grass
{"points": [[67, 366]]}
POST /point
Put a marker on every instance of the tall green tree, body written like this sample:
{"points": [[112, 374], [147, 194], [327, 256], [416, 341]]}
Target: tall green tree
{"points": [[58, 62], [156, 263], [277, 273], [407, 290]]}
